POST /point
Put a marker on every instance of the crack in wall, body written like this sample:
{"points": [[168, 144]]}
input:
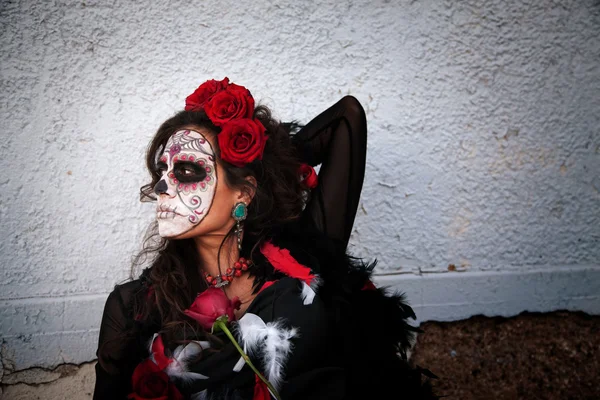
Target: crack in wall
{"points": [[34, 376]]}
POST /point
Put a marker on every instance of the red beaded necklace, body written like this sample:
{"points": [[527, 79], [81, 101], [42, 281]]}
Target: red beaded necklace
{"points": [[224, 279]]}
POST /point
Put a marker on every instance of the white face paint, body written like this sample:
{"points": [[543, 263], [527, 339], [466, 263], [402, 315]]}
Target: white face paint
{"points": [[189, 181]]}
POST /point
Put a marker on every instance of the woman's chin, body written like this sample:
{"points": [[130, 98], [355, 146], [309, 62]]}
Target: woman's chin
{"points": [[171, 229]]}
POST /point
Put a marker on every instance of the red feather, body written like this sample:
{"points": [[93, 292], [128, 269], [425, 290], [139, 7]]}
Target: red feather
{"points": [[282, 260], [266, 285], [158, 352]]}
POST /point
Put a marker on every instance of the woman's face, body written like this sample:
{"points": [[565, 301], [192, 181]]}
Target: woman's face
{"points": [[191, 186]]}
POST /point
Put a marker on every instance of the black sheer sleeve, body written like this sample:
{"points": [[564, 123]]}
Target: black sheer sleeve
{"points": [[337, 141], [118, 346]]}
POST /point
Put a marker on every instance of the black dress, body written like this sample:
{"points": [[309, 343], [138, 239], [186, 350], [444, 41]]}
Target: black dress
{"points": [[348, 341]]}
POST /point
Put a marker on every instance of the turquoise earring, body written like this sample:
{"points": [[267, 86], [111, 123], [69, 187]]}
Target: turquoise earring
{"points": [[239, 214]]}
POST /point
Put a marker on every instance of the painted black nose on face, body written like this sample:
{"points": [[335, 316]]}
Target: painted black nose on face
{"points": [[161, 187]]}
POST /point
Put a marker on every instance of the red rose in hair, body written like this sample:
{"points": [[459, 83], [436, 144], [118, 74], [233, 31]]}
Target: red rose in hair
{"points": [[152, 383], [234, 102], [308, 176], [196, 100], [242, 141], [210, 305]]}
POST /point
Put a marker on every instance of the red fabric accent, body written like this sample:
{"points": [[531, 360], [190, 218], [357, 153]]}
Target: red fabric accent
{"points": [[261, 391], [266, 285], [282, 260], [369, 286]]}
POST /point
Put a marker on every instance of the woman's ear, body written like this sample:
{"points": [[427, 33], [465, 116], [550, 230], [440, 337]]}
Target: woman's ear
{"points": [[248, 191]]}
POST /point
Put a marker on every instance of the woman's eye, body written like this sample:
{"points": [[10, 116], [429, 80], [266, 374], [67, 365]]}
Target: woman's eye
{"points": [[189, 172], [185, 171]]}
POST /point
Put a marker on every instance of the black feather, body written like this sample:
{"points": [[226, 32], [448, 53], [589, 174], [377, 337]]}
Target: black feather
{"points": [[372, 325]]}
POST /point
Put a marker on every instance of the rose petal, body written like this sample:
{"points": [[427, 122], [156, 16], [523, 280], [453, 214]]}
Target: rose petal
{"points": [[238, 131], [154, 385], [146, 367], [241, 143], [205, 322], [197, 100]]}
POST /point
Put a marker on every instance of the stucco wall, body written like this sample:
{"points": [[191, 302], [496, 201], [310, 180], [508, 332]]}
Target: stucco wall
{"points": [[483, 155]]}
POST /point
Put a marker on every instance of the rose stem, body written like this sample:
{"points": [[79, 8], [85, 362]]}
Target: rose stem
{"points": [[247, 359]]}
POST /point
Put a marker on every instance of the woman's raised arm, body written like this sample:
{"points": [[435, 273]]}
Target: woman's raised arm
{"points": [[337, 141]]}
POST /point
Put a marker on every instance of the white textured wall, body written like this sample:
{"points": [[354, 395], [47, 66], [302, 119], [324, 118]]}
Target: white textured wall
{"points": [[484, 143]]}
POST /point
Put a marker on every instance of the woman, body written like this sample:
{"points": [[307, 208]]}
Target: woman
{"points": [[250, 231]]}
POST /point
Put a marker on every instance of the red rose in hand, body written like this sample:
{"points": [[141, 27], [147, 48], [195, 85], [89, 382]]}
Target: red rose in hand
{"points": [[197, 100], [308, 176], [151, 383], [210, 305], [234, 102], [242, 141]]}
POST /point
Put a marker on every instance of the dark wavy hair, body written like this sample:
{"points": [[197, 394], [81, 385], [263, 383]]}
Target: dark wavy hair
{"points": [[278, 199]]}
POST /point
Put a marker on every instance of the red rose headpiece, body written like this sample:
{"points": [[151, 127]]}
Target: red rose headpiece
{"points": [[231, 107]]}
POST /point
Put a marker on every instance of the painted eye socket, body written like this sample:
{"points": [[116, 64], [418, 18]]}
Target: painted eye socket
{"points": [[189, 172]]}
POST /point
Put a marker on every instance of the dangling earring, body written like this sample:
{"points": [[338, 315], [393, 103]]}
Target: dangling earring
{"points": [[239, 213]]}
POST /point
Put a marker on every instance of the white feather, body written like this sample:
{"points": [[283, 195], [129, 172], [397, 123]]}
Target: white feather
{"points": [[278, 347], [199, 395], [239, 365], [315, 282], [181, 357], [152, 342], [192, 349], [186, 376], [252, 330], [150, 347], [309, 291], [270, 342], [308, 294]]}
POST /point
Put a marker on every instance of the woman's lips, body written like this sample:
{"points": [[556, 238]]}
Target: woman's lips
{"points": [[166, 211], [167, 215]]}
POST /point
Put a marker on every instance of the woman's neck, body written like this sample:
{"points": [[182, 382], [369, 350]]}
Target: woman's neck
{"points": [[208, 252], [212, 254]]}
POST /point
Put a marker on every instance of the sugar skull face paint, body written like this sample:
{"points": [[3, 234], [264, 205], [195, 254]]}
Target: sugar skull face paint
{"points": [[189, 179]]}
